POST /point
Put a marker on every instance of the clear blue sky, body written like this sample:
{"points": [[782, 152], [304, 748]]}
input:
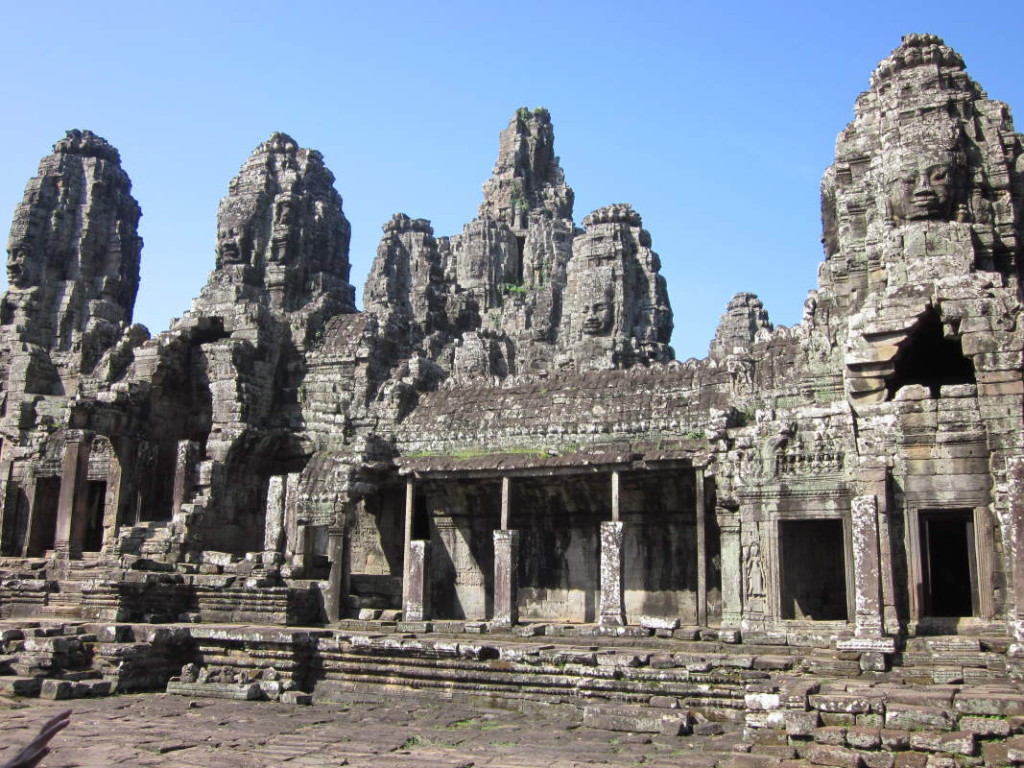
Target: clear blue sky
{"points": [[715, 120]]}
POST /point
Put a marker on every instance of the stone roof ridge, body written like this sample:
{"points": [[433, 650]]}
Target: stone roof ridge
{"points": [[916, 50], [87, 144]]}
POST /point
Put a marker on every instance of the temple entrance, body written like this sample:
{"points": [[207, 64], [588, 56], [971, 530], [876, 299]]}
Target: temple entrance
{"points": [[813, 570], [44, 516], [948, 562]]}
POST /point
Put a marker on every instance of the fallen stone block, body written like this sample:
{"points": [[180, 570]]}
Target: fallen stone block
{"points": [[1015, 749], [864, 738], [20, 686], [974, 703], [985, 726], [57, 689], [878, 759], [910, 717], [839, 702], [658, 622], [297, 697], [800, 724], [832, 735], [92, 688], [631, 719], [236, 691], [910, 760]]}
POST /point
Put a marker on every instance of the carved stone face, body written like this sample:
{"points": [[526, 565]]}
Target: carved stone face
{"points": [[19, 268], [923, 192], [598, 316], [227, 248]]}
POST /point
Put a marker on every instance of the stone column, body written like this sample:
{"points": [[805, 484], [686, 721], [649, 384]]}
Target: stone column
{"points": [[701, 533], [416, 606], [410, 499], [1015, 481], [506, 581], [273, 528], [338, 580], [8, 507], [71, 504], [732, 570], [867, 579], [612, 614], [184, 473]]}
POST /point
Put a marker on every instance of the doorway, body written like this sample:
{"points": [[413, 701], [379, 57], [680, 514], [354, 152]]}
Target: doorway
{"points": [[92, 540], [948, 563], [813, 565], [44, 516]]}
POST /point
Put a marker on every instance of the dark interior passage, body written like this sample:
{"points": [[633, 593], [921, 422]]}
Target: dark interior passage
{"points": [[95, 502], [44, 516], [947, 542], [813, 570]]}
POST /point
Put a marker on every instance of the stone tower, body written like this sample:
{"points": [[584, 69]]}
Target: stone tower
{"points": [[73, 267]]}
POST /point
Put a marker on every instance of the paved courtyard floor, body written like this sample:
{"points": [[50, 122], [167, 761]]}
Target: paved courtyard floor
{"points": [[174, 731]]}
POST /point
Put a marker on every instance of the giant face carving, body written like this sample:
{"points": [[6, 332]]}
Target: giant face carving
{"points": [[20, 273], [923, 191], [598, 311]]}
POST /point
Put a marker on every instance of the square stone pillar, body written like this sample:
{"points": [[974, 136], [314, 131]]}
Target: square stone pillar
{"points": [[417, 587], [273, 529], [71, 504], [612, 614], [1015, 481], [185, 466], [732, 571], [701, 532], [867, 562], [339, 577], [410, 498], [506, 578]]}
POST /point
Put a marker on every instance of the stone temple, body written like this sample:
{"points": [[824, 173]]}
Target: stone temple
{"points": [[502, 444]]}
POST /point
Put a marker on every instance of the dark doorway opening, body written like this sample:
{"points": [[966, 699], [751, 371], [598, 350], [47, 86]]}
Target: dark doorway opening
{"points": [[92, 539], [948, 563], [44, 516], [931, 359], [813, 566]]}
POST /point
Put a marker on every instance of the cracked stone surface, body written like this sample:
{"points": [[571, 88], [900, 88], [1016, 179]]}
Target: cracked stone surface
{"points": [[169, 731]]}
